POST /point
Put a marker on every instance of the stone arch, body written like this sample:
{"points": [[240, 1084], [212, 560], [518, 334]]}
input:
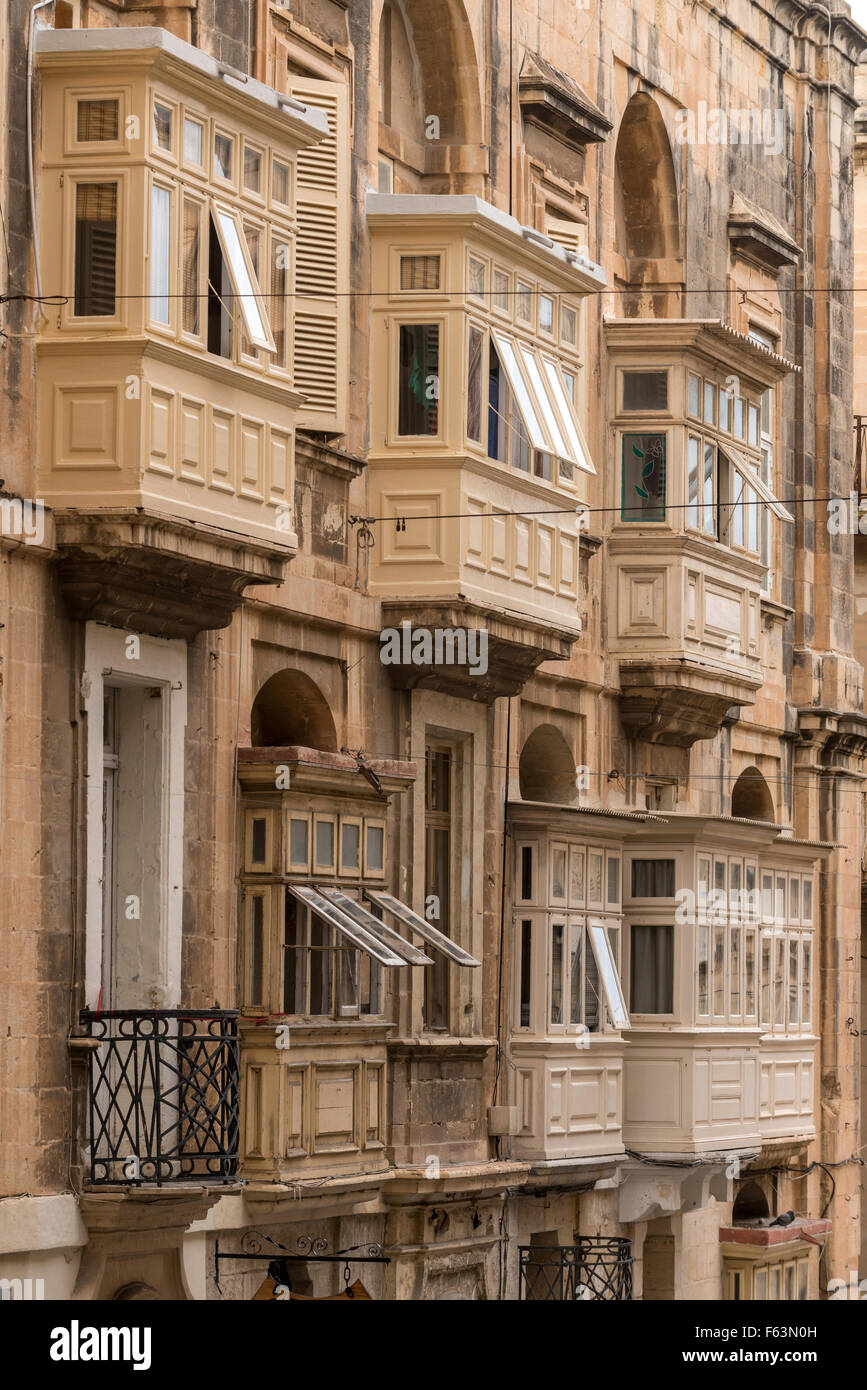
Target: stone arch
{"points": [[428, 67], [646, 205], [137, 1291], [751, 1204], [291, 709], [546, 768], [751, 796]]}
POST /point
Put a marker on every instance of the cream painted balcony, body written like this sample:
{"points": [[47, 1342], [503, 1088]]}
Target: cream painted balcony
{"points": [[167, 407], [692, 549], [479, 398]]}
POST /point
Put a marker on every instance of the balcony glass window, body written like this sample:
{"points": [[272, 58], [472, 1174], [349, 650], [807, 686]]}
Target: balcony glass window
{"points": [[280, 182], [418, 379], [162, 127], [546, 314], [95, 249], [558, 931], [709, 403], [323, 974], [652, 969], [643, 477], [474, 384], [568, 325], [526, 974], [694, 396], [244, 289], [193, 141], [252, 169], [476, 278], [224, 147], [725, 402], [419, 272], [190, 253], [502, 299], [523, 302], [645, 390], [279, 305], [96, 121], [160, 253]]}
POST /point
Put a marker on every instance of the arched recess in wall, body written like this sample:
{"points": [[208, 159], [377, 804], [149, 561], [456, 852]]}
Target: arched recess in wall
{"points": [[429, 100], [751, 1204], [546, 769], [291, 709], [751, 796], [646, 212], [136, 1291]]}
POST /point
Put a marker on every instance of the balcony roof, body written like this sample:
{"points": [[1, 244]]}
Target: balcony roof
{"points": [[464, 211], [712, 338], [59, 47]]}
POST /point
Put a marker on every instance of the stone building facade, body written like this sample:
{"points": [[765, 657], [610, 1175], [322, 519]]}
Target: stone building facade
{"points": [[433, 733]]}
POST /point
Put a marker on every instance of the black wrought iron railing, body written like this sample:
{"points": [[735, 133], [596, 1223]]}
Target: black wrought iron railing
{"points": [[860, 478], [163, 1096], [594, 1268]]}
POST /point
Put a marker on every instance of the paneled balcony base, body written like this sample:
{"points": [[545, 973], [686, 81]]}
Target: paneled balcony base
{"points": [[516, 647], [156, 574], [677, 700]]}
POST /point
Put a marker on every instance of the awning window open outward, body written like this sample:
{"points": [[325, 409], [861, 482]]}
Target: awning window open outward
{"points": [[387, 935], [750, 478], [608, 975], [371, 945], [430, 934], [542, 401], [239, 263]]}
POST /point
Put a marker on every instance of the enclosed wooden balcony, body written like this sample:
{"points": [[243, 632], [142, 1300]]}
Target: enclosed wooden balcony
{"points": [[478, 454], [167, 405]]}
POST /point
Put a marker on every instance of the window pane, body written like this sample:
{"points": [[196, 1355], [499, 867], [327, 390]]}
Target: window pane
{"points": [[779, 982], [299, 832], [709, 403], [645, 390], [807, 910], [501, 291], [752, 510], [568, 324], [222, 156], [162, 133], [703, 945], [576, 933], [257, 950], [294, 958], [643, 497], [247, 302], [760, 1286], [527, 872], [613, 881], [324, 843], [735, 971], [252, 169], [95, 248], [348, 982], [350, 846], [476, 287], [419, 272], [560, 446], [753, 424], [418, 383], [653, 878], [523, 302], [518, 385], [724, 409], [576, 877], [474, 385], [709, 490], [97, 120], [719, 946], [160, 249], [692, 488], [592, 989], [259, 840], [558, 874], [564, 403], [278, 305], [190, 266], [694, 396], [594, 877], [739, 417], [557, 973], [526, 968], [793, 982], [750, 975], [193, 133], [765, 1004], [652, 970], [320, 966], [280, 182], [546, 313], [375, 848]]}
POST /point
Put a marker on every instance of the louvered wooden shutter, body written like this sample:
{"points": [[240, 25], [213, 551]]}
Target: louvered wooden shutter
{"points": [[572, 235], [322, 261]]}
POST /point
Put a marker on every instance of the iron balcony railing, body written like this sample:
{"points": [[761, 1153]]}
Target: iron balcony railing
{"points": [[860, 480], [163, 1096], [594, 1268]]}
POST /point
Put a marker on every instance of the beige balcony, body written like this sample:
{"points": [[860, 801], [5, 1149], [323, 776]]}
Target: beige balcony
{"points": [[692, 549], [167, 406], [478, 456]]}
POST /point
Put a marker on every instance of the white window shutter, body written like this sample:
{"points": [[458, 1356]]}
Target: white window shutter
{"points": [[321, 358]]}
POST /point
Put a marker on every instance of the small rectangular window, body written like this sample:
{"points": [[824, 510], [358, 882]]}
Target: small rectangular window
{"points": [[95, 249], [256, 925], [692, 496], [162, 127], [252, 169], [652, 970], [795, 899], [576, 944], [694, 405], [557, 934], [501, 292], [160, 253], [245, 289], [794, 993], [709, 403], [546, 313], [527, 873], [223, 151], [558, 874], [806, 982], [374, 848], [418, 379], [278, 306], [193, 141], [476, 278], [807, 902], [653, 878], [603, 947], [724, 409], [753, 429], [735, 971], [524, 302], [645, 391], [703, 1003], [643, 483], [419, 272], [280, 182], [324, 844], [568, 325], [594, 878], [750, 974], [613, 871], [259, 840], [97, 121], [739, 417], [350, 846], [576, 877], [299, 843]]}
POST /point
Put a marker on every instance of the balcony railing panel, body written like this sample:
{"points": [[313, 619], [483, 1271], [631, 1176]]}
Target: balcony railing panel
{"points": [[163, 1096], [595, 1268]]}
